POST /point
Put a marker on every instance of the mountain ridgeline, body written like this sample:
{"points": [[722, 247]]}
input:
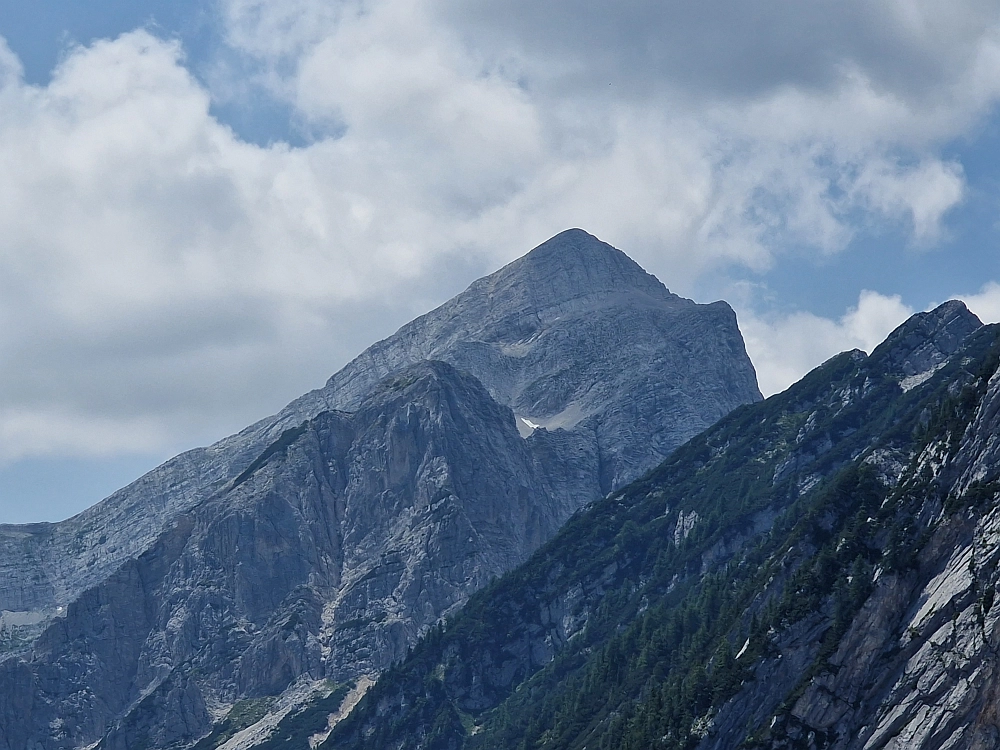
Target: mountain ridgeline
{"points": [[818, 570], [232, 597]]}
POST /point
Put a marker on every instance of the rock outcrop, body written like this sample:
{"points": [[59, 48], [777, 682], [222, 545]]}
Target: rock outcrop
{"points": [[575, 335]]}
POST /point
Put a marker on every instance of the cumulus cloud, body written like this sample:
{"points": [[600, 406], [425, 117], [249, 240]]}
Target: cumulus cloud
{"points": [[730, 129], [985, 303], [161, 278], [921, 194]]}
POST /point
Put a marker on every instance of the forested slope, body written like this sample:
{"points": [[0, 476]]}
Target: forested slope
{"points": [[767, 586]]}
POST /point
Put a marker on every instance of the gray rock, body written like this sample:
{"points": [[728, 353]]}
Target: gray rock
{"points": [[926, 340], [572, 336], [918, 667], [575, 335], [896, 644]]}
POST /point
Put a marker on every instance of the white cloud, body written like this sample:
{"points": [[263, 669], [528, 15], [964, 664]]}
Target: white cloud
{"points": [[160, 278], [785, 347], [922, 193], [985, 303], [723, 133], [37, 432]]}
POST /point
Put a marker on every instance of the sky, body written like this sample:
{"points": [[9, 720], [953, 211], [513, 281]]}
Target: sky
{"points": [[208, 208]]}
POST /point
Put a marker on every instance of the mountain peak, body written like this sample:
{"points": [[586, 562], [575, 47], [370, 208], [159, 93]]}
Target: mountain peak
{"points": [[570, 265], [336, 532], [576, 246], [926, 339], [873, 599], [576, 335]]}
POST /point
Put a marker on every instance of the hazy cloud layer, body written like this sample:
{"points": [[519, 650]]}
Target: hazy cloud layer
{"points": [[163, 281]]}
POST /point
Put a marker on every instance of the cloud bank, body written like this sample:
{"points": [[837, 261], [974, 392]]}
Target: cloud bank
{"points": [[163, 281]]}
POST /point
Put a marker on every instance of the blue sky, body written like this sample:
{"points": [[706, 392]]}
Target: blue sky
{"points": [[207, 208], [42, 33]]}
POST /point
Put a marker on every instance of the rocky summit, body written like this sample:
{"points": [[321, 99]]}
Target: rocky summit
{"points": [[237, 592], [576, 336]]}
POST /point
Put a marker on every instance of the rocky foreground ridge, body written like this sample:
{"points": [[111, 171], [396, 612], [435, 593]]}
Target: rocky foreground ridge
{"points": [[314, 547], [819, 570]]}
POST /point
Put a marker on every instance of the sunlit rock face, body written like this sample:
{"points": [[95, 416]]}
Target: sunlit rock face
{"points": [[321, 542]]}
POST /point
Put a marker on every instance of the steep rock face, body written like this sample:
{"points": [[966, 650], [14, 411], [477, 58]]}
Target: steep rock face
{"points": [[836, 588], [326, 557], [321, 542], [919, 667]]}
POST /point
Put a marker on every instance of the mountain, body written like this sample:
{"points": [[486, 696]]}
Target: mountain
{"points": [[315, 547], [818, 570], [575, 335]]}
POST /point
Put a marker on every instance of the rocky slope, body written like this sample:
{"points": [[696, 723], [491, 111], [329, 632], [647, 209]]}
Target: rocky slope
{"points": [[816, 571], [325, 557], [317, 545]]}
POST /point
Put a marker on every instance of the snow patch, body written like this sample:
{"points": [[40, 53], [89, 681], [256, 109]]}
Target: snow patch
{"points": [[525, 427], [744, 649], [566, 419]]}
